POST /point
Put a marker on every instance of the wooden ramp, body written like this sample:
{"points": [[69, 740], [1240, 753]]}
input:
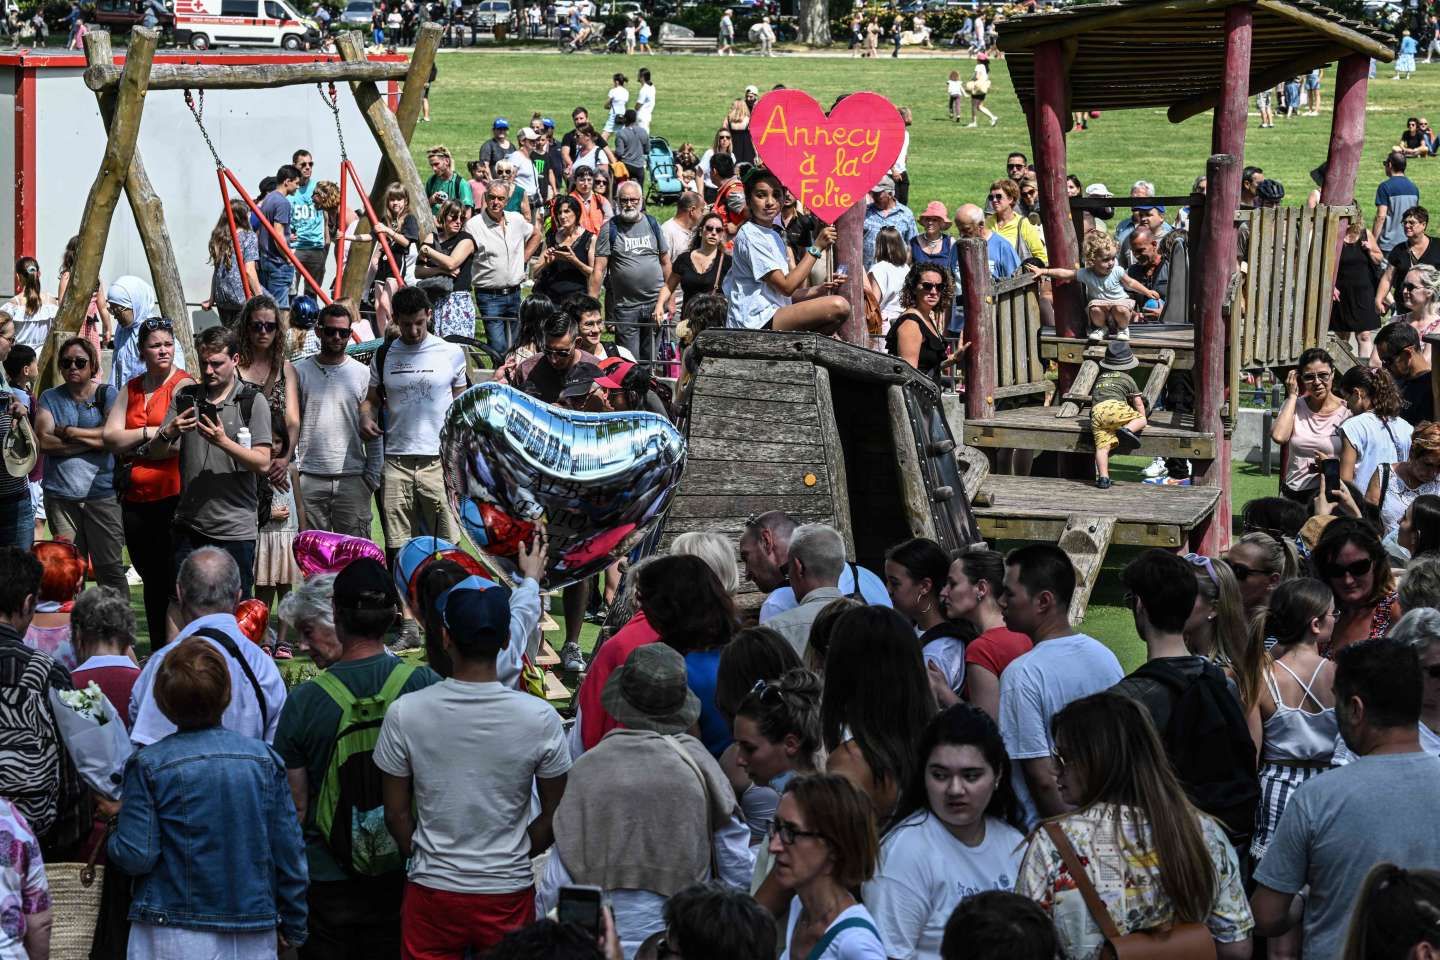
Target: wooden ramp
{"points": [[1084, 521]]}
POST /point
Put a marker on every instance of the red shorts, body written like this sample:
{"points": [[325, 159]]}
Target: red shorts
{"points": [[439, 925]]}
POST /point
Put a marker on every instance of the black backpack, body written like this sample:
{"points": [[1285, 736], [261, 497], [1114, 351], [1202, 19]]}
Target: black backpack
{"points": [[1209, 746]]}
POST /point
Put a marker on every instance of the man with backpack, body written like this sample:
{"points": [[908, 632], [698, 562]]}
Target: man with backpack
{"points": [[326, 737], [221, 429], [1192, 702], [36, 772], [632, 261]]}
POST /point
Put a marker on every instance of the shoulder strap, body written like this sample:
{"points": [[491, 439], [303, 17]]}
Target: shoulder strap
{"points": [[246, 399], [397, 680], [232, 648], [855, 593], [1093, 903], [338, 691], [654, 230], [849, 923], [380, 356]]}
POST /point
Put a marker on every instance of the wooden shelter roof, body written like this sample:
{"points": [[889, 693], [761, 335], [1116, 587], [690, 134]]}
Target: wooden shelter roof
{"points": [[1171, 53]]}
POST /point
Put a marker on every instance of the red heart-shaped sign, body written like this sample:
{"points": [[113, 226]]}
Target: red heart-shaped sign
{"points": [[828, 162]]}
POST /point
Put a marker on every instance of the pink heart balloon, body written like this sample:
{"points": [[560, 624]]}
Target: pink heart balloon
{"points": [[828, 162], [320, 551]]}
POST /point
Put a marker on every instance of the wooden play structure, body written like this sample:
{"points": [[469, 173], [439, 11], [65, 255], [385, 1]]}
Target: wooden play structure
{"points": [[1188, 56], [121, 91], [824, 430]]}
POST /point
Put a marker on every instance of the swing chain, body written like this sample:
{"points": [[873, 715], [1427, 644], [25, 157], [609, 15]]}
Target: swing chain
{"points": [[332, 100], [198, 112]]}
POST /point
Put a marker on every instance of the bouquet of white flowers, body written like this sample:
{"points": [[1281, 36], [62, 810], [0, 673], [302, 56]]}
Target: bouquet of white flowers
{"points": [[94, 735]]}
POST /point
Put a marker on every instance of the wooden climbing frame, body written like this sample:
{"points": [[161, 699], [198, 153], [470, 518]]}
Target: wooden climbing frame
{"points": [[121, 94]]}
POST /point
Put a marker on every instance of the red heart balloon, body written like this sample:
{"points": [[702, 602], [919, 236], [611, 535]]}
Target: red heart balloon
{"points": [[253, 617], [828, 162]]}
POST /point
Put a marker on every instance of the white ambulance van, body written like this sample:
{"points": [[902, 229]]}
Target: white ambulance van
{"points": [[203, 24]]}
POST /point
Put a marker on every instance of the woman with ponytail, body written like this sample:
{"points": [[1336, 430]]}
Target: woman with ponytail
{"points": [[1375, 432], [32, 309], [915, 575], [1297, 705], [98, 321], [1261, 563], [1397, 915]]}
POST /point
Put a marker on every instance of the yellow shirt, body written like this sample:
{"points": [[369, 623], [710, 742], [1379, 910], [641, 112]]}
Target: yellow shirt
{"points": [[1021, 228]]}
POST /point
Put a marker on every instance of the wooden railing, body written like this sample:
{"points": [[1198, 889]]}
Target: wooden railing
{"points": [[1016, 309]]}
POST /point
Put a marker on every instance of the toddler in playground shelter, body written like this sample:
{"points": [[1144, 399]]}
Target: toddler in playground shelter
{"points": [[1105, 284], [1118, 414]]}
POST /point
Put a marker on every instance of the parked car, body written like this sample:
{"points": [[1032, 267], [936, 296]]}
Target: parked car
{"points": [[121, 15], [487, 13], [358, 13]]}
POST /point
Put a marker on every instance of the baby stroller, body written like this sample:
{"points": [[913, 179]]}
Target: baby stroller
{"points": [[665, 186]]}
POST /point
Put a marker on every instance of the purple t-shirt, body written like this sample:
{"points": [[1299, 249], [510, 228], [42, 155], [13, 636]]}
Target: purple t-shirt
{"points": [[276, 208]]}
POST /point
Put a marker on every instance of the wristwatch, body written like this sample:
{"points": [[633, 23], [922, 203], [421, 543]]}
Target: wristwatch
{"points": [[814, 251]]}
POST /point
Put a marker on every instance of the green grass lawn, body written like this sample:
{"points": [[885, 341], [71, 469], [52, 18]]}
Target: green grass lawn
{"points": [[947, 161]]}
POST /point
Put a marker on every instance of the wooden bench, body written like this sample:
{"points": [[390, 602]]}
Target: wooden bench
{"points": [[689, 45]]}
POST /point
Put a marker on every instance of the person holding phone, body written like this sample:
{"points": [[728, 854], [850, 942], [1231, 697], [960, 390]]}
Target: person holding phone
{"points": [[1310, 423], [564, 267]]}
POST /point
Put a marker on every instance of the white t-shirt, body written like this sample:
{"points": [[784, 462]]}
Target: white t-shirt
{"points": [[853, 943], [890, 278], [473, 751], [645, 104], [924, 871], [759, 251], [1374, 445], [31, 329], [947, 653], [418, 384], [618, 98], [1037, 685], [955, 88], [525, 177]]}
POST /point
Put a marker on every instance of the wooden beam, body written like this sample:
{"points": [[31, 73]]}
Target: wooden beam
{"points": [[1085, 540], [1052, 120], [104, 192], [1227, 130], [1194, 106], [834, 459], [977, 292], [914, 497], [1347, 130], [1353, 40], [192, 76], [394, 144], [849, 251], [422, 58], [149, 214], [1068, 25]]}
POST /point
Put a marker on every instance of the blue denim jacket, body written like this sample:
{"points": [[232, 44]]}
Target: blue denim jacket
{"points": [[208, 829]]}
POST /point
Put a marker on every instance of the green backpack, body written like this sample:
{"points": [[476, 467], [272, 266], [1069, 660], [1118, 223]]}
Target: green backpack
{"points": [[350, 811]]}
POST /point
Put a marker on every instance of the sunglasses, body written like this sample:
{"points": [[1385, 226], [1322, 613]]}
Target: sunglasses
{"points": [[306, 166], [999, 196], [1206, 564], [1014, 166], [261, 326], [1315, 377], [155, 323], [929, 287], [1358, 569], [789, 833], [74, 363], [713, 230], [334, 331], [1407, 287], [767, 693], [1241, 571], [555, 352]]}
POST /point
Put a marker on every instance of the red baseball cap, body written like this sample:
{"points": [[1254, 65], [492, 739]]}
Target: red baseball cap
{"points": [[615, 369]]}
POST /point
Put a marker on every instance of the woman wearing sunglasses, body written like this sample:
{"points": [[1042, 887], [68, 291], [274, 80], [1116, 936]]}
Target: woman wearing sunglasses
{"points": [[262, 362], [1420, 292], [824, 845], [1164, 863], [723, 143], [79, 479], [1260, 564], [563, 270], [450, 255], [150, 489], [1351, 560], [958, 831], [702, 267], [1310, 423], [917, 335]]}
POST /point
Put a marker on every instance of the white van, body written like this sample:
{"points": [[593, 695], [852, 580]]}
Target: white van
{"points": [[203, 24]]}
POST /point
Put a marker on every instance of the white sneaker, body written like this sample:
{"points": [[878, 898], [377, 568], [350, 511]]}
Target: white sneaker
{"points": [[1123, 334], [1157, 468], [1097, 334]]}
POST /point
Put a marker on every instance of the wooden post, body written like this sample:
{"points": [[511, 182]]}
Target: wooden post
{"points": [[1051, 118], [1347, 130], [147, 209], [104, 196], [850, 253], [393, 140], [977, 291], [1207, 289], [1227, 131], [422, 58]]}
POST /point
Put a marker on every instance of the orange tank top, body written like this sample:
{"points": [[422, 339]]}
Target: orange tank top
{"points": [[151, 480]]}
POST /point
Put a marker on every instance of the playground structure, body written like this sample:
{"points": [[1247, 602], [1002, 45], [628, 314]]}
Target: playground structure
{"points": [[824, 430], [121, 92], [1189, 56]]}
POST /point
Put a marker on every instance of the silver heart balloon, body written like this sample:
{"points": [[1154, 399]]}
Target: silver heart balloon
{"points": [[601, 482]]}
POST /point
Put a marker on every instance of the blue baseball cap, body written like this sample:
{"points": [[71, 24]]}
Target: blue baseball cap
{"points": [[1149, 206], [477, 609], [547, 123], [412, 557], [501, 123]]}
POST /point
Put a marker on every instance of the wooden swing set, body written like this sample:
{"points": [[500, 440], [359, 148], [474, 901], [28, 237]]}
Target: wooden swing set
{"points": [[121, 92]]}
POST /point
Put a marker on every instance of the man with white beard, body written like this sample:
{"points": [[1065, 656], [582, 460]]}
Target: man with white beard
{"points": [[632, 260]]}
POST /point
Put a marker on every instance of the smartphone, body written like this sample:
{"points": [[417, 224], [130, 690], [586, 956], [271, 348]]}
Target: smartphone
{"points": [[1330, 470], [582, 905], [184, 403], [841, 272], [208, 409]]}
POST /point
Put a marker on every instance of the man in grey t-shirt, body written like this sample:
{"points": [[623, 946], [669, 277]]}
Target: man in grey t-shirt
{"points": [[1384, 807], [338, 468], [218, 494], [632, 261]]}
